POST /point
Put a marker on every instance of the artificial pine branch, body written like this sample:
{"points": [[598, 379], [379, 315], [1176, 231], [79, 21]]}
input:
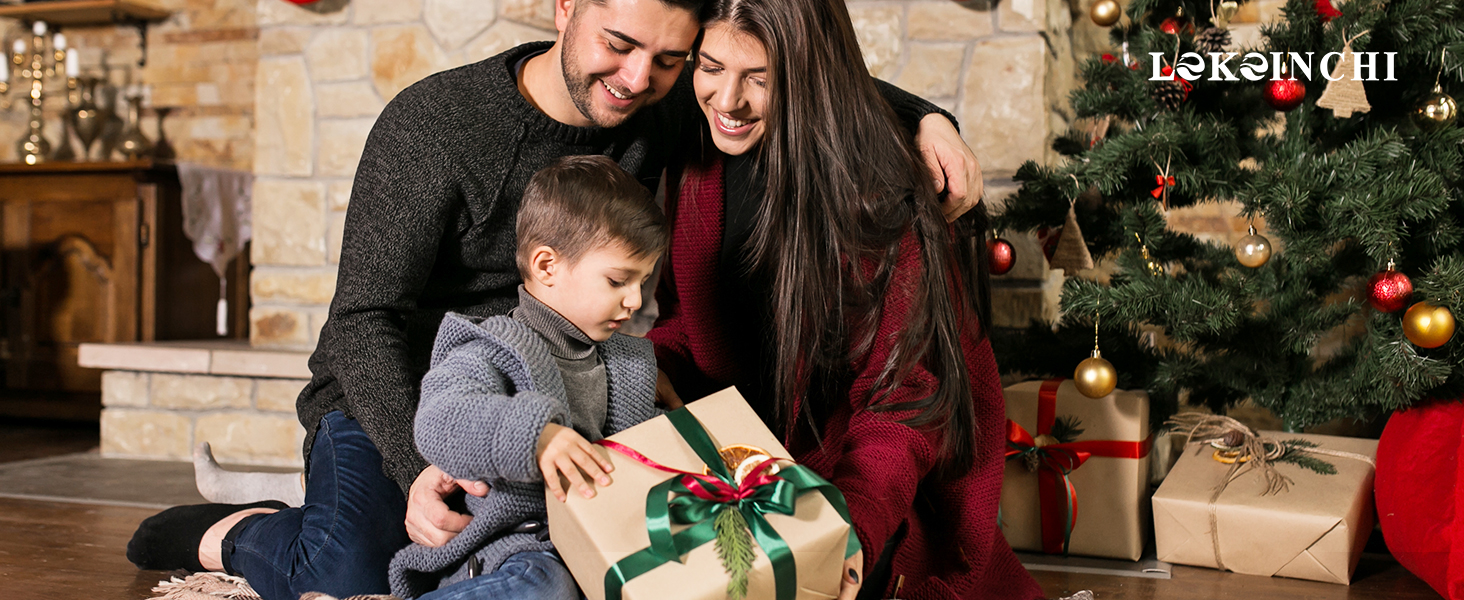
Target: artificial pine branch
{"points": [[734, 548]]}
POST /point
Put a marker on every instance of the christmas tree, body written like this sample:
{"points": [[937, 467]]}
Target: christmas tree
{"points": [[1342, 176]]}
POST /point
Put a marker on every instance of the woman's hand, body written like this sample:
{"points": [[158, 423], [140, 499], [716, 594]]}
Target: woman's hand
{"points": [[665, 394], [951, 163], [429, 521], [853, 576], [563, 450]]}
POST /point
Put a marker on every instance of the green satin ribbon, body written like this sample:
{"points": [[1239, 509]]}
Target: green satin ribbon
{"points": [[685, 508]]}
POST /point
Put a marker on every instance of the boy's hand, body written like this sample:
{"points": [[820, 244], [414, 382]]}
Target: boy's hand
{"points": [[563, 450]]}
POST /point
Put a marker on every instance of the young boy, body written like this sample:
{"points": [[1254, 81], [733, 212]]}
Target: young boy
{"points": [[514, 401]]}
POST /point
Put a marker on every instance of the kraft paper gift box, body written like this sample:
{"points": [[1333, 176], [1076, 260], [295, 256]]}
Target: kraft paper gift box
{"points": [[1109, 490], [593, 534], [1314, 530]]}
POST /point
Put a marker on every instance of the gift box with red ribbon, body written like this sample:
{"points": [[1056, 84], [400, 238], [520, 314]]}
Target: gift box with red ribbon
{"points": [[1077, 471]]}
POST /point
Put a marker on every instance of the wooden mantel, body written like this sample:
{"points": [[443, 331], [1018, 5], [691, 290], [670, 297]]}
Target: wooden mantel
{"points": [[84, 12]]}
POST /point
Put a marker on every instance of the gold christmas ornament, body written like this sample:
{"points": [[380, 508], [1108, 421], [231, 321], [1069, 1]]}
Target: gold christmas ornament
{"points": [[1437, 112], [1253, 250], [1428, 326], [1345, 95], [1095, 377], [1225, 13], [1072, 253], [1105, 12]]}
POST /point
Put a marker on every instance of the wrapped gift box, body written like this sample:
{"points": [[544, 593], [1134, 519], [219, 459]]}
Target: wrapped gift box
{"points": [[1110, 487], [1314, 530], [594, 534]]}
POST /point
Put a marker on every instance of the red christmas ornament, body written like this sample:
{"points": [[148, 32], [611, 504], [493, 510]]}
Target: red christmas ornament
{"points": [[1285, 94], [1000, 256], [1109, 58], [1171, 25], [1389, 290], [1326, 11]]}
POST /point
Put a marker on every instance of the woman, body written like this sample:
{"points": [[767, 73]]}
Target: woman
{"points": [[810, 266]]}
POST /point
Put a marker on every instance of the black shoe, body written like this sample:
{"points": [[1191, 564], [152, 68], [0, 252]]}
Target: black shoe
{"points": [[169, 540]]}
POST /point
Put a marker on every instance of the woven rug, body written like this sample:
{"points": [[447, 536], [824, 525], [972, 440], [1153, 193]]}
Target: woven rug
{"points": [[216, 586]]}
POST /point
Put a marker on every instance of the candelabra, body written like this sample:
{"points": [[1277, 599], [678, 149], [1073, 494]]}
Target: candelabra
{"points": [[33, 63]]}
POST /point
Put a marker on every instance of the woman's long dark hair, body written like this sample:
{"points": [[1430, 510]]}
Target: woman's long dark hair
{"points": [[845, 184]]}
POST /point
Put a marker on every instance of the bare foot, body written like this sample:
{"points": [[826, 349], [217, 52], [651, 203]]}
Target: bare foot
{"points": [[210, 548]]}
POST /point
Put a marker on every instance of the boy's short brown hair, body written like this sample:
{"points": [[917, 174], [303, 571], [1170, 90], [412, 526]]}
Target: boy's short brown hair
{"points": [[580, 203]]}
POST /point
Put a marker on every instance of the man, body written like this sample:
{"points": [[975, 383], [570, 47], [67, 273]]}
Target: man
{"points": [[430, 230]]}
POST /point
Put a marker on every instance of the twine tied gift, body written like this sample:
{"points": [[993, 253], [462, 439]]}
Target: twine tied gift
{"points": [[1249, 450]]}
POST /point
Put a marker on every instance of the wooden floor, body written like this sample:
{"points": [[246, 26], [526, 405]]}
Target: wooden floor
{"points": [[61, 551]]}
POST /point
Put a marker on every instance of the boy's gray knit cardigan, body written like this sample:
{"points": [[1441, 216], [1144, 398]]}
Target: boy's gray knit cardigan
{"points": [[492, 388]]}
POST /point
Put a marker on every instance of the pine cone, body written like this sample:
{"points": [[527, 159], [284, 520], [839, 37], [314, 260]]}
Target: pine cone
{"points": [[1032, 461], [1212, 39], [1168, 94]]}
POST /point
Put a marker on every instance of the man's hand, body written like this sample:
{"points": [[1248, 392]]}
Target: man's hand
{"points": [[429, 521], [853, 576], [665, 394], [563, 450], [951, 163]]}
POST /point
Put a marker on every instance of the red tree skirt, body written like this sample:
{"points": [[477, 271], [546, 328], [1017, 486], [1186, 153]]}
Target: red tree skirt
{"points": [[1420, 494]]}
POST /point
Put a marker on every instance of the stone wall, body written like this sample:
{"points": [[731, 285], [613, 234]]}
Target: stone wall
{"points": [[162, 415], [201, 67], [327, 69]]}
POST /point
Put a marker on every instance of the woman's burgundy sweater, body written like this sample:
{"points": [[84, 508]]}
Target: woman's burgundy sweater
{"points": [[953, 548]]}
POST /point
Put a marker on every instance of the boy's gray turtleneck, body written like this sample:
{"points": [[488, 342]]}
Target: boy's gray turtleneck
{"points": [[579, 362]]}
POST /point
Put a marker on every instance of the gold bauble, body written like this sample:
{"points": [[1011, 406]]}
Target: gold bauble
{"points": [[1437, 112], [1428, 326], [1253, 250], [1105, 12], [1095, 377]]}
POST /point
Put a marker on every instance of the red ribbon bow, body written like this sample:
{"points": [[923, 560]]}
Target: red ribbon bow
{"points": [[1162, 182], [705, 486], [1058, 497]]}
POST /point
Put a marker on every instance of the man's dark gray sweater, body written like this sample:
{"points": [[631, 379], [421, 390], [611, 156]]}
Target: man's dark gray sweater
{"points": [[430, 229], [493, 386]]}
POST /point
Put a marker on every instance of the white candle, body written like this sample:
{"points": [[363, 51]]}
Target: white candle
{"points": [[39, 28], [5, 70], [73, 66], [59, 42], [19, 47]]}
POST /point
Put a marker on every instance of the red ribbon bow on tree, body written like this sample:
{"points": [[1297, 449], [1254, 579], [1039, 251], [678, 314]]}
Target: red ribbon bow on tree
{"points": [[1162, 182], [1058, 497]]}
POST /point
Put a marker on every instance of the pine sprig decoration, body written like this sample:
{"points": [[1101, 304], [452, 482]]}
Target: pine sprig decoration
{"points": [[1297, 455], [1067, 429], [735, 549]]}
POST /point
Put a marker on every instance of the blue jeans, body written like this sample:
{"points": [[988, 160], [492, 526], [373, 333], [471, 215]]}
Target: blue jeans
{"points": [[524, 576], [341, 541]]}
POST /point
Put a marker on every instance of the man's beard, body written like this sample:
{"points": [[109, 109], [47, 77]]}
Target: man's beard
{"points": [[579, 84]]}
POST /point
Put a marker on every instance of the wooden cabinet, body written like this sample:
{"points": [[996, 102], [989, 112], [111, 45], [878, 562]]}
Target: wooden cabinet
{"points": [[95, 252]]}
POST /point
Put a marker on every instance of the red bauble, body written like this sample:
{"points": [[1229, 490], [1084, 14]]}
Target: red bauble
{"points": [[1285, 94], [1000, 256], [1326, 11], [1109, 58], [1389, 291], [1171, 25]]}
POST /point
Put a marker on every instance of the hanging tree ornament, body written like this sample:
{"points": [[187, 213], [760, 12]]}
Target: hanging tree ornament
{"points": [[1105, 12], [1389, 290], [1151, 266], [1165, 181], [1345, 95], [1071, 254], [1170, 94], [1326, 11], [1439, 110], [1286, 93], [1000, 255], [1095, 377], [1216, 38], [1253, 250], [1428, 326]]}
